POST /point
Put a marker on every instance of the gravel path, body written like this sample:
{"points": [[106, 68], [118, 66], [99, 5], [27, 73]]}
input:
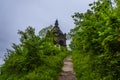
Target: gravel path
{"points": [[67, 70]]}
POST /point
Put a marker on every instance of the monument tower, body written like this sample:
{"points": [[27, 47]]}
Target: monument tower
{"points": [[60, 38]]}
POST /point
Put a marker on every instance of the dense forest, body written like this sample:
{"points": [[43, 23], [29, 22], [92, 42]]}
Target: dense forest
{"points": [[94, 47]]}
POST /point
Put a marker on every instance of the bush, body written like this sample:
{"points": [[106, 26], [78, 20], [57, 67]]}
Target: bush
{"points": [[34, 58]]}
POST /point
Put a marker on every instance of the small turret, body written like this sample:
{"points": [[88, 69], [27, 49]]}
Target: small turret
{"points": [[56, 23]]}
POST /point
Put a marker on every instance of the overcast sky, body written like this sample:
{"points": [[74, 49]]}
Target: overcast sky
{"points": [[18, 14]]}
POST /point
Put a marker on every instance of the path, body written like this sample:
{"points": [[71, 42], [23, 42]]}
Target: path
{"points": [[67, 70]]}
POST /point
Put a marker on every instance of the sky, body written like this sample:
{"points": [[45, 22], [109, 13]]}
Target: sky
{"points": [[18, 14]]}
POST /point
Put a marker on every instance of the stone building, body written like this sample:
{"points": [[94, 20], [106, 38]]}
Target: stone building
{"points": [[59, 37]]}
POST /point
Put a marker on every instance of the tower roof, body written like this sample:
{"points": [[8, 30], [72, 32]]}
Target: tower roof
{"points": [[56, 28], [56, 23]]}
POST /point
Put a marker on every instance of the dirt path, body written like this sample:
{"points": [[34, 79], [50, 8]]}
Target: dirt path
{"points": [[67, 70]]}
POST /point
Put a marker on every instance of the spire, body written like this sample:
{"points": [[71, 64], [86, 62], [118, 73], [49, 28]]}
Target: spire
{"points": [[56, 23]]}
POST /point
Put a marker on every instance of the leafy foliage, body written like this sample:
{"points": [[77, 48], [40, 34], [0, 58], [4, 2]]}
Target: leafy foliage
{"points": [[43, 32], [34, 58], [96, 42], [95, 47]]}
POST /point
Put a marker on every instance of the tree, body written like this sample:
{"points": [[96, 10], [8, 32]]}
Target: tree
{"points": [[33, 56], [97, 34], [43, 32]]}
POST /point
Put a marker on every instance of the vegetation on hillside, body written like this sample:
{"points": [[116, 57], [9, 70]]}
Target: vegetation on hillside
{"points": [[34, 58], [96, 41], [95, 48]]}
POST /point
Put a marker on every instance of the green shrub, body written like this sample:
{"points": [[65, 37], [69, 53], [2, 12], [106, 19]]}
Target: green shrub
{"points": [[34, 58]]}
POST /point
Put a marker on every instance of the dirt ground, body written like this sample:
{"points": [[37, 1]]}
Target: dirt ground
{"points": [[67, 70]]}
